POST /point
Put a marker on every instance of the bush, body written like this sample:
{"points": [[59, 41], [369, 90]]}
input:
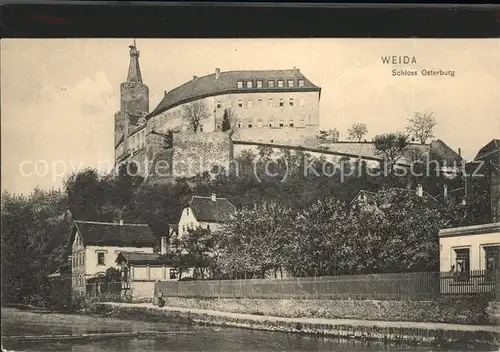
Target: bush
{"points": [[36, 301]]}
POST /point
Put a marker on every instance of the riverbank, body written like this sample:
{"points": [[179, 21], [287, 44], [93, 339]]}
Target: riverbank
{"points": [[404, 332]]}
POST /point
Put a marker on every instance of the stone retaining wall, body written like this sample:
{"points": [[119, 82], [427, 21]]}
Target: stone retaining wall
{"points": [[460, 311]]}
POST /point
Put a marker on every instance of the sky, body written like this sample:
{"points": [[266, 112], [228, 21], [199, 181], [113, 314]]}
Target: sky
{"points": [[59, 96]]}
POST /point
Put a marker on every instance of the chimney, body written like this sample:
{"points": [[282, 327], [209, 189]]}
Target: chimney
{"points": [[195, 77], [214, 197], [166, 93], [459, 151], [121, 222], [420, 190], [445, 191], [163, 245], [217, 73]]}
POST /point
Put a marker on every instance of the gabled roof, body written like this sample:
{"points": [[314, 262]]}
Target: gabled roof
{"points": [[364, 195], [113, 234], [370, 195], [488, 150], [206, 210], [202, 87]]}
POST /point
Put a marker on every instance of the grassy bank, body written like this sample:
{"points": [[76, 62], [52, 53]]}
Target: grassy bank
{"points": [[446, 310]]}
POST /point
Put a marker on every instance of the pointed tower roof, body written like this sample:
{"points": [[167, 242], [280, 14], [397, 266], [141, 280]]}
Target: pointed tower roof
{"points": [[134, 71]]}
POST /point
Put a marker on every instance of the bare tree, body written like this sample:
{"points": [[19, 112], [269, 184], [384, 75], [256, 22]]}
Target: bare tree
{"points": [[391, 146], [421, 126], [194, 113], [357, 131]]}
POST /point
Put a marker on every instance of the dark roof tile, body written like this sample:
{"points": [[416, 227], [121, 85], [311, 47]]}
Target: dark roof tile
{"points": [[201, 87], [207, 210], [113, 234]]}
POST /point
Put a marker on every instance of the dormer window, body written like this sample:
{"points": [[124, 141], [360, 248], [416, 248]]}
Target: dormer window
{"points": [[281, 83], [291, 82], [249, 84], [270, 84], [301, 82], [259, 84], [240, 84]]}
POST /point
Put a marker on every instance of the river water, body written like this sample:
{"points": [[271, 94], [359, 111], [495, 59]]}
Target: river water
{"points": [[184, 337]]}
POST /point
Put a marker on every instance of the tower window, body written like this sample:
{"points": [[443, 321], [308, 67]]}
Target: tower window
{"points": [[281, 83], [240, 84], [301, 82], [249, 84], [259, 84], [270, 84], [291, 82]]}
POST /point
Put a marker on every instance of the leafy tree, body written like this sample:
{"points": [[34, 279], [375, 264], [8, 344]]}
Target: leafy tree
{"points": [[357, 131], [254, 240], [85, 194], [318, 246], [112, 275], [229, 121], [194, 249], [391, 146], [194, 113], [421, 126]]}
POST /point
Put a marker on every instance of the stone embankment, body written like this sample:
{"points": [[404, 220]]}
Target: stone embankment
{"points": [[396, 331]]}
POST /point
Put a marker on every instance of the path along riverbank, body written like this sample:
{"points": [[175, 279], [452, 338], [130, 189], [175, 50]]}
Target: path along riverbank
{"points": [[414, 332]]}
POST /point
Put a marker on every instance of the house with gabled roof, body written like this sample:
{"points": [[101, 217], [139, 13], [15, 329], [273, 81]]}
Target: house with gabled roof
{"points": [[95, 246], [205, 212], [365, 197]]}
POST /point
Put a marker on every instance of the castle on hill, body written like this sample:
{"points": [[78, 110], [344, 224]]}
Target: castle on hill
{"points": [[266, 106]]}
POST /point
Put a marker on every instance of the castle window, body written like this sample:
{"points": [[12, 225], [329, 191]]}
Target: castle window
{"points": [[301, 82], [270, 102], [272, 141], [281, 102], [240, 103], [281, 83], [270, 84], [291, 82], [270, 124], [240, 84], [259, 84], [291, 101], [259, 101], [281, 124], [249, 84], [239, 124], [250, 125], [250, 103], [302, 102], [291, 123], [259, 124], [219, 104]]}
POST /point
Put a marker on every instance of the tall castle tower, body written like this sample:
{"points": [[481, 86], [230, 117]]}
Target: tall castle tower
{"points": [[134, 102]]}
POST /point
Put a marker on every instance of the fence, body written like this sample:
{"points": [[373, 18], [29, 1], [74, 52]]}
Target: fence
{"points": [[423, 285], [100, 288]]}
